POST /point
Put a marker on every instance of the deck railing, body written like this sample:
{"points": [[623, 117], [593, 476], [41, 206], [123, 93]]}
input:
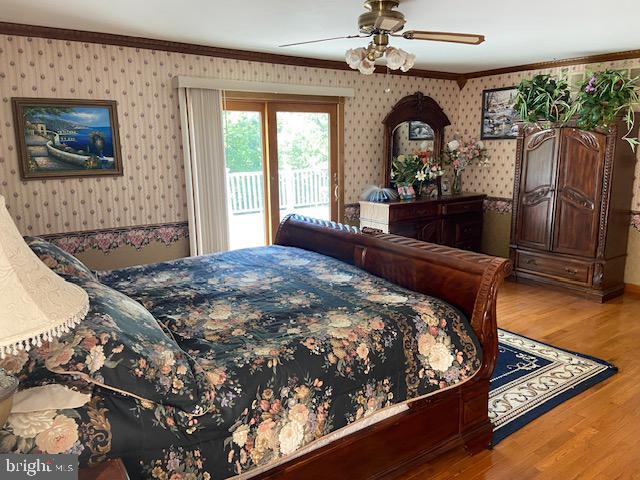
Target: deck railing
{"points": [[297, 188]]}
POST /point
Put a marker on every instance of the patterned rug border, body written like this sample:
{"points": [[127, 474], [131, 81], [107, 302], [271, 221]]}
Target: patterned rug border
{"points": [[550, 404]]}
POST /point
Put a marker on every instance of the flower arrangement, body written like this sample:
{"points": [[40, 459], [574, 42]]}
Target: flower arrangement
{"points": [[414, 170], [461, 153], [605, 95]]}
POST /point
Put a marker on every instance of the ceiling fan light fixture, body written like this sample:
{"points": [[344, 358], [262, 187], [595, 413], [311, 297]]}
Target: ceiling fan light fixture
{"points": [[382, 21], [396, 57], [366, 66], [354, 56], [409, 62]]}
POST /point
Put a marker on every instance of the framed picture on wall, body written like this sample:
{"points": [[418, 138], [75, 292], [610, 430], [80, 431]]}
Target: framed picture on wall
{"points": [[64, 138], [498, 114], [420, 131]]}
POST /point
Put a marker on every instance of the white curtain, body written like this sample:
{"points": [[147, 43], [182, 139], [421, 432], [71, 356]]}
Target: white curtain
{"points": [[203, 144]]}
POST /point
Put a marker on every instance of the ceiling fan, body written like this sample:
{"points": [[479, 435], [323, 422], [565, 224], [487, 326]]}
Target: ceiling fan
{"points": [[380, 22]]}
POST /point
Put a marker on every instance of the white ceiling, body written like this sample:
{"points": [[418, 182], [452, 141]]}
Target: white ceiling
{"points": [[517, 32]]}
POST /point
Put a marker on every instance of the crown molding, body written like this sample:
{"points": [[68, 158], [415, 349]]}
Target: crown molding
{"points": [[23, 30], [603, 57]]}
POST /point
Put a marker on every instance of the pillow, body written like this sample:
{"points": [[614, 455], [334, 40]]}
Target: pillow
{"points": [[120, 346], [57, 259]]}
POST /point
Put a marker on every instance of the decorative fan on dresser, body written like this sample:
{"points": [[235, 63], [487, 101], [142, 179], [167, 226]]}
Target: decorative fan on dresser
{"points": [[381, 22]]}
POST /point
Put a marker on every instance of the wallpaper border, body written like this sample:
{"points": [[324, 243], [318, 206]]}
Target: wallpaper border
{"points": [[498, 204], [110, 239]]}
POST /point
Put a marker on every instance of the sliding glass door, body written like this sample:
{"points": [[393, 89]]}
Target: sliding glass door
{"points": [[303, 153], [244, 148], [282, 157]]}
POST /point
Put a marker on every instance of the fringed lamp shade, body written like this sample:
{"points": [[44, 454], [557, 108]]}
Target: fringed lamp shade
{"points": [[36, 304]]}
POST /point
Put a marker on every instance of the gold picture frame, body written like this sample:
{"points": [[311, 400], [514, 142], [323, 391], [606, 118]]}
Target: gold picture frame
{"points": [[66, 138]]}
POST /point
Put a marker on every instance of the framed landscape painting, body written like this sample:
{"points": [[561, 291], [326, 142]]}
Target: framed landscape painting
{"points": [[499, 116], [63, 138]]}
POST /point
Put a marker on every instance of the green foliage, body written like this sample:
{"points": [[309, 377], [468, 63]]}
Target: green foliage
{"points": [[604, 96], [404, 169], [415, 170], [303, 140], [243, 141], [544, 98]]}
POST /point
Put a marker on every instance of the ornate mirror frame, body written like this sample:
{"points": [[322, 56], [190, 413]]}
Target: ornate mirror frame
{"points": [[413, 107]]}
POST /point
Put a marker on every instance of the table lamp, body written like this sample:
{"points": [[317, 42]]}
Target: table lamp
{"points": [[36, 304]]}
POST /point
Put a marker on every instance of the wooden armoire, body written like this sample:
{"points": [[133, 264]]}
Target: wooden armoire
{"points": [[571, 206]]}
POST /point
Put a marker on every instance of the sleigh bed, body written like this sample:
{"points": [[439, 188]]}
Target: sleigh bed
{"points": [[332, 354]]}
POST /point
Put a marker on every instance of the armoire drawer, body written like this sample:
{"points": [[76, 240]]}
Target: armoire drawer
{"points": [[554, 266]]}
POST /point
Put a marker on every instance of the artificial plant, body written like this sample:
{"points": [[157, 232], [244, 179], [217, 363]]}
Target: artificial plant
{"points": [[604, 96], [544, 98]]}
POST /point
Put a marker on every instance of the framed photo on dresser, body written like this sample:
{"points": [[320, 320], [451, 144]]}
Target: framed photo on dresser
{"points": [[498, 114], [65, 138]]}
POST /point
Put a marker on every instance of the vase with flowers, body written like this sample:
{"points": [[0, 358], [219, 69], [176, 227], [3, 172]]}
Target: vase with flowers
{"points": [[413, 172], [461, 153]]}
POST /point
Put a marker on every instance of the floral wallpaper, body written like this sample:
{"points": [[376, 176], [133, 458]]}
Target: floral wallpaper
{"points": [[497, 179], [152, 190]]}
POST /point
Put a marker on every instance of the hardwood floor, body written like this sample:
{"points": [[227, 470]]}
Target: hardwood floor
{"points": [[595, 435]]}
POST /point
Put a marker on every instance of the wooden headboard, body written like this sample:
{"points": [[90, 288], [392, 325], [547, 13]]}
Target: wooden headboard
{"points": [[467, 280]]}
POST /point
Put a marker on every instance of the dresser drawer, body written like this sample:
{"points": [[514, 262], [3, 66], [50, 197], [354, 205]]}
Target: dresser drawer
{"points": [[468, 230], [554, 266], [463, 231], [455, 208], [412, 211]]}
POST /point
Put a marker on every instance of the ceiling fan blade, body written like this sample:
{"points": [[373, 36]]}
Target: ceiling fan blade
{"points": [[468, 38], [323, 40]]}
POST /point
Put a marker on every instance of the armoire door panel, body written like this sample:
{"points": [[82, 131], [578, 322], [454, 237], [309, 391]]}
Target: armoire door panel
{"points": [[579, 188], [537, 190]]}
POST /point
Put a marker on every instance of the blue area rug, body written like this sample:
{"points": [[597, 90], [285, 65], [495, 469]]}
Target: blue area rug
{"points": [[532, 377]]}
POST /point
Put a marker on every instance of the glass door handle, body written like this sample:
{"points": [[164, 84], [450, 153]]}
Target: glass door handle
{"points": [[336, 187]]}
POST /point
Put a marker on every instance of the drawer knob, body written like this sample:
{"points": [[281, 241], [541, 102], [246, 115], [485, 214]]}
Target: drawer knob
{"points": [[571, 271], [531, 261]]}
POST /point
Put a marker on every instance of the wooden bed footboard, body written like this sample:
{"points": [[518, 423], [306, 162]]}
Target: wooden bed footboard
{"points": [[467, 280]]}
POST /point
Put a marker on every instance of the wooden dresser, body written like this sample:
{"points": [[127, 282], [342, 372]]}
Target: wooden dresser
{"points": [[571, 206], [454, 220]]}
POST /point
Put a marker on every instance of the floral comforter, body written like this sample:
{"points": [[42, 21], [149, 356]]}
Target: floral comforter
{"points": [[246, 356]]}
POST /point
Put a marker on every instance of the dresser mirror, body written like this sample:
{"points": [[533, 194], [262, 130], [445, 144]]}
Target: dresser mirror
{"points": [[411, 137], [416, 123]]}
